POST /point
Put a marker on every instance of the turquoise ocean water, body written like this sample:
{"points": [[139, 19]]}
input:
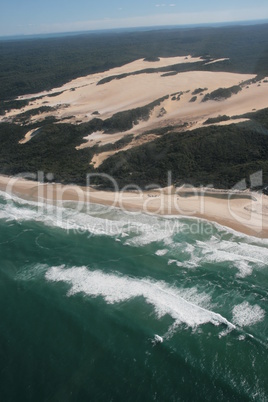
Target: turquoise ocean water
{"points": [[84, 294]]}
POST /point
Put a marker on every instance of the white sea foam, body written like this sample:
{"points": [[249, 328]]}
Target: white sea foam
{"points": [[225, 230], [139, 230], [217, 250], [157, 339], [242, 337], [242, 256], [95, 219], [64, 218], [10, 213], [161, 252], [171, 262], [244, 314], [244, 269], [12, 197], [67, 218], [184, 306]]}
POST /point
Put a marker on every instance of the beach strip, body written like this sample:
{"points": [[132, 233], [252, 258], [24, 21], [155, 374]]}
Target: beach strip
{"points": [[243, 211]]}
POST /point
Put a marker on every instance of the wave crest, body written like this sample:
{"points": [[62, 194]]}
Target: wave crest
{"points": [[184, 306]]}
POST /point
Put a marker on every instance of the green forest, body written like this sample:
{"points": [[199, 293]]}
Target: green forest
{"points": [[216, 155], [34, 65]]}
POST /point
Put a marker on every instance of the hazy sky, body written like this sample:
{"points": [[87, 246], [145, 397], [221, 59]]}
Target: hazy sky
{"points": [[46, 16]]}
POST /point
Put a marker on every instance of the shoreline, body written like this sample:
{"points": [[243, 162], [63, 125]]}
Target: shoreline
{"points": [[243, 211]]}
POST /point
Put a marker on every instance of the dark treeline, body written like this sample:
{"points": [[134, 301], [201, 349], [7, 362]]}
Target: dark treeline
{"points": [[222, 93], [213, 120], [33, 65], [216, 155], [51, 150], [220, 156]]}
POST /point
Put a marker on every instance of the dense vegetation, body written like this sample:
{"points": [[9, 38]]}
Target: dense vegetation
{"points": [[193, 99], [171, 70], [25, 117], [222, 93], [218, 119], [198, 91], [33, 65], [116, 145], [51, 150], [216, 155]]}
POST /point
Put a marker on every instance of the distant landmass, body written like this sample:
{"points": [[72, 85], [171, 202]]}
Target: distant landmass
{"points": [[129, 29]]}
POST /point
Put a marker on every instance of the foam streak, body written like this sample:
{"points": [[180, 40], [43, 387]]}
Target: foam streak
{"points": [[164, 298]]}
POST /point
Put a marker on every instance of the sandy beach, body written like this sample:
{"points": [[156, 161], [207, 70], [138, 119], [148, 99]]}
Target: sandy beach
{"points": [[83, 99], [245, 212]]}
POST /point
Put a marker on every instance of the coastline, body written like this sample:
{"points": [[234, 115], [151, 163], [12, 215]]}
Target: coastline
{"points": [[243, 211]]}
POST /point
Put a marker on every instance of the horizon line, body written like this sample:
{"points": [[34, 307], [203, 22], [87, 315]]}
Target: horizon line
{"points": [[134, 28]]}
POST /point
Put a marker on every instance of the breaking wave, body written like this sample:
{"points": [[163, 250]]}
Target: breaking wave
{"points": [[138, 230], [184, 306]]}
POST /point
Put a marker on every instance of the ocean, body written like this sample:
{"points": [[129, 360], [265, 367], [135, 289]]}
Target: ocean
{"points": [[103, 305]]}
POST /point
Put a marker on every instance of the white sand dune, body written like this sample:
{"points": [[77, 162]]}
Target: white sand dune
{"points": [[82, 99], [135, 66], [132, 92]]}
